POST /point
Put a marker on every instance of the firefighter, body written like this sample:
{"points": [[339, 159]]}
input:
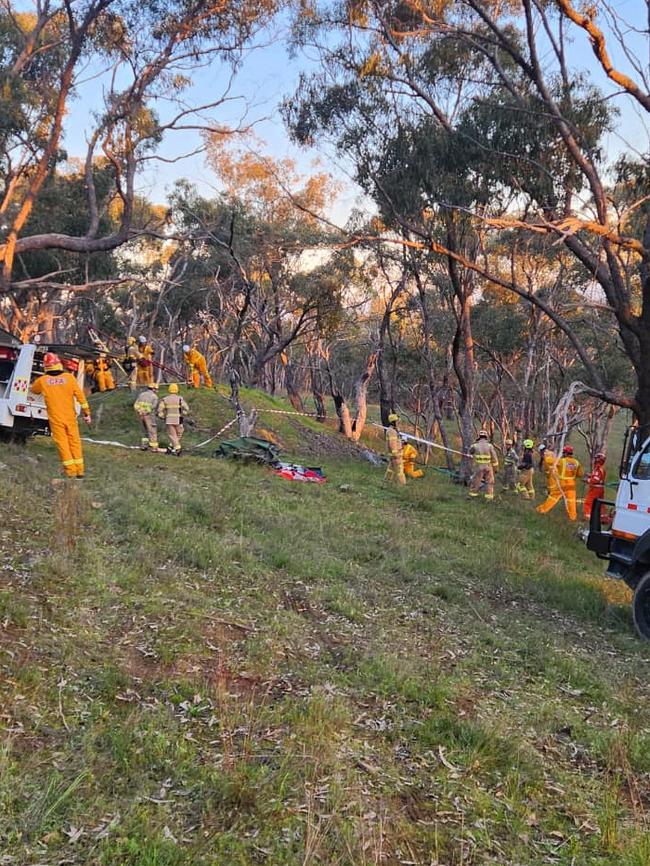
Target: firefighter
{"points": [[60, 390], [510, 467], [103, 374], [198, 368], [547, 461], [131, 362], [485, 462], [526, 471], [144, 362], [145, 408], [89, 373], [596, 482], [565, 471], [173, 409], [409, 457], [395, 470]]}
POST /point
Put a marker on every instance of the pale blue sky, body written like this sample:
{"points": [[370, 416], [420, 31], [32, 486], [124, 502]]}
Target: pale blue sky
{"points": [[268, 73]]}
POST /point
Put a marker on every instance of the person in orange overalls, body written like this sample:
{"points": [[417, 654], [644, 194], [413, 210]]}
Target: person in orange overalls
{"points": [[409, 458], [562, 484], [198, 367], [103, 374], [60, 390], [145, 362], [596, 482]]}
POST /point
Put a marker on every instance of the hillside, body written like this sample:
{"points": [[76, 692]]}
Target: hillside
{"points": [[206, 665]]}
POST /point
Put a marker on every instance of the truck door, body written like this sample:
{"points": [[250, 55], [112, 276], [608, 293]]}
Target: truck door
{"points": [[632, 516]]}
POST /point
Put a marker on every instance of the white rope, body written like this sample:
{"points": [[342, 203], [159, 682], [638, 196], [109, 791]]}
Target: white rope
{"points": [[107, 442], [423, 441]]}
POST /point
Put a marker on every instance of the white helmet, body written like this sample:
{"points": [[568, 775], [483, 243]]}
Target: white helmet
{"points": [[186, 348], [142, 339]]}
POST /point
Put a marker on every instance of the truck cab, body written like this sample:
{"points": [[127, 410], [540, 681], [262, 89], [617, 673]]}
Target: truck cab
{"points": [[625, 544], [22, 413]]}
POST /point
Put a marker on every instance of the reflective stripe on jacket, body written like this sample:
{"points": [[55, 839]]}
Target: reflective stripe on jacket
{"points": [[172, 408], [393, 442], [483, 453], [60, 390], [568, 469], [146, 403]]}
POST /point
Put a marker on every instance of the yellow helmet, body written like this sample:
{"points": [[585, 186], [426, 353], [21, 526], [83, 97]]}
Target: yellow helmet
{"points": [[131, 341], [173, 388], [392, 418]]}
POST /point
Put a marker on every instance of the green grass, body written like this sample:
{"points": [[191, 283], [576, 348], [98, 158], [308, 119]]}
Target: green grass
{"points": [[205, 665]]}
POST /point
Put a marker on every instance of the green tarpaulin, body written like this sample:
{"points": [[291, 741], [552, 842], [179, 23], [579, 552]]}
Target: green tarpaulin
{"points": [[248, 448]]}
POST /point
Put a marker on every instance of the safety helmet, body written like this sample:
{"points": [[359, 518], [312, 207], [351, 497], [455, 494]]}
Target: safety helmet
{"points": [[131, 341], [528, 443], [173, 388], [541, 447], [52, 362], [483, 433], [392, 418], [600, 457], [567, 451], [186, 348], [154, 386], [142, 339], [509, 443]]}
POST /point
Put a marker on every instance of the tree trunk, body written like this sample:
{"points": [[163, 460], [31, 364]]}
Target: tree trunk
{"points": [[361, 395], [345, 422], [245, 423], [318, 393], [292, 390]]}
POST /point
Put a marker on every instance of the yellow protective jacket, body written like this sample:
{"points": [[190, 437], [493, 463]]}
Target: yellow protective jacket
{"points": [[483, 454], [60, 390], [393, 442], [195, 359], [146, 402], [568, 469], [172, 409], [549, 461], [145, 356]]}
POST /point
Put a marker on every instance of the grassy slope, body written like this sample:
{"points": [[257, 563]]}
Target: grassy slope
{"points": [[227, 668]]}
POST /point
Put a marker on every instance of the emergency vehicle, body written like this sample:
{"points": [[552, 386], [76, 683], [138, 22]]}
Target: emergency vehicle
{"points": [[22, 413], [625, 543]]}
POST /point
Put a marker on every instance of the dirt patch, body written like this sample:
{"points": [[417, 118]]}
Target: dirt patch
{"points": [[324, 444]]}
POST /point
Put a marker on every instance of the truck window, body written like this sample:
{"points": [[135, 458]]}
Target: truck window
{"points": [[642, 465]]}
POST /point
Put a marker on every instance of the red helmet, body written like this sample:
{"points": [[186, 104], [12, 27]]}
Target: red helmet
{"points": [[567, 451], [600, 457], [51, 361]]}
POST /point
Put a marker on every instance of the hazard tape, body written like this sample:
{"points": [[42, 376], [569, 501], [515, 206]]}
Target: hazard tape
{"points": [[286, 412], [216, 435]]}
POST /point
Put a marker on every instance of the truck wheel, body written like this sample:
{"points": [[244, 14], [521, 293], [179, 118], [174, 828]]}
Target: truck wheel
{"points": [[641, 606]]}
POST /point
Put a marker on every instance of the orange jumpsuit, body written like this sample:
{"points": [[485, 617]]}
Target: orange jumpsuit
{"points": [[596, 488], [60, 390], [145, 366], [103, 375], [563, 478], [198, 369], [409, 456]]}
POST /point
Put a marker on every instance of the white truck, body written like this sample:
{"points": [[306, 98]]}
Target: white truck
{"points": [[22, 413], [625, 542]]}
